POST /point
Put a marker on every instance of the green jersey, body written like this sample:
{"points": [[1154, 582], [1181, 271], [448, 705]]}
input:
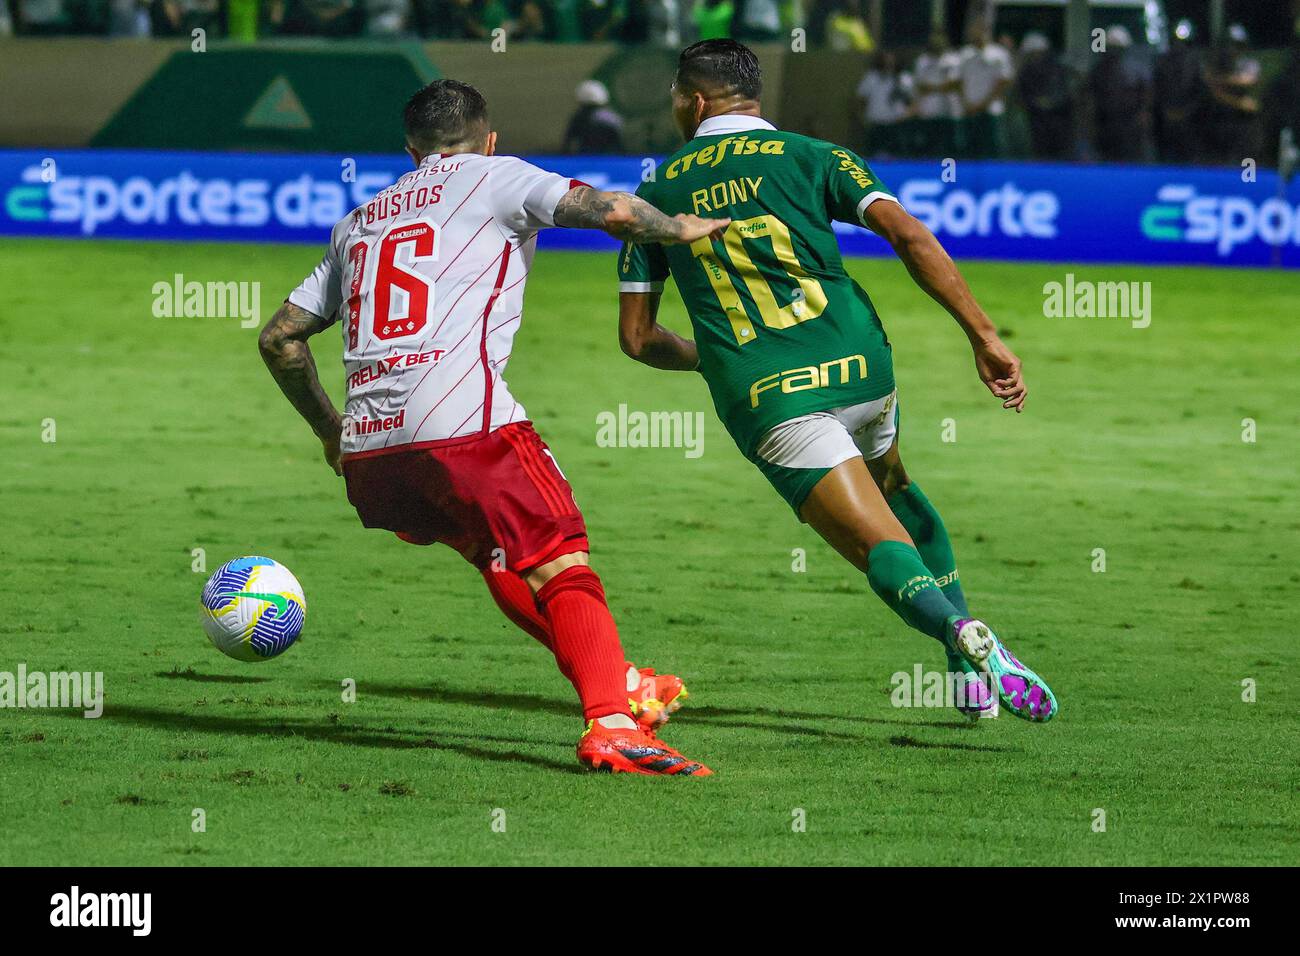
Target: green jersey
{"points": [[781, 328]]}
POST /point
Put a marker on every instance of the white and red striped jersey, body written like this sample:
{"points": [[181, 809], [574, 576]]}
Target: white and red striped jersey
{"points": [[428, 280]]}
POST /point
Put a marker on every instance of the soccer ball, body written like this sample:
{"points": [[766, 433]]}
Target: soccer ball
{"points": [[253, 609]]}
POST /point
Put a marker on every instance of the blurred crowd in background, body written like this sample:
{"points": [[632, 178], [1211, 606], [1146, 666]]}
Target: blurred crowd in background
{"points": [[1186, 101], [670, 23], [994, 97]]}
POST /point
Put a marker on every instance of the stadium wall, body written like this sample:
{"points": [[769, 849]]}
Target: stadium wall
{"points": [[130, 93], [993, 210], [59, 92]]}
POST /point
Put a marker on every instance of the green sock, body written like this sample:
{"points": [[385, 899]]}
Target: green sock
{"points": [[922, 521], [897, 573]]}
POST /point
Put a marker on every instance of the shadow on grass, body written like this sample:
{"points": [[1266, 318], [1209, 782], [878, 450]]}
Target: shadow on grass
{"points": [[707, 713], [742, 718], [983, 748], [536, 704], [318, 732], [195, 676], [530, 703]]}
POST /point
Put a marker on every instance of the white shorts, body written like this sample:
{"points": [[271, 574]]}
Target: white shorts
{"points": [[825, 439]]}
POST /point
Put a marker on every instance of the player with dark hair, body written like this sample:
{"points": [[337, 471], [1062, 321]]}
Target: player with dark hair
{"points": [[428, 281], [794, 354]]}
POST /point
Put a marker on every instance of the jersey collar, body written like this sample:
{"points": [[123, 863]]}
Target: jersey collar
{"points": [[731, 123]]}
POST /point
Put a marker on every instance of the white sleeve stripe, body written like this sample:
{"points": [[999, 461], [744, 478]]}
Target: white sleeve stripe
{"points": [[552, 196], [309, 303], [640, 287], [868, 199]]}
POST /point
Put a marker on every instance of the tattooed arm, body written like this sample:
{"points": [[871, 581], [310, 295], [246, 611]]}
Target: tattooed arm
{"points": [[630, 218], [285, 351]]}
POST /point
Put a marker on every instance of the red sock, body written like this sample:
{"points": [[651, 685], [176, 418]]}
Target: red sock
{"points": [[515, 598], [585, 640]]}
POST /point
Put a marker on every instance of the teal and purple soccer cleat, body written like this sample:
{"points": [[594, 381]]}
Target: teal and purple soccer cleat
{"points": [[1019, 689]]}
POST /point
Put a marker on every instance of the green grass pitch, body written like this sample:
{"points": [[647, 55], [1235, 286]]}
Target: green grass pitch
{"points": [[171, 436]]}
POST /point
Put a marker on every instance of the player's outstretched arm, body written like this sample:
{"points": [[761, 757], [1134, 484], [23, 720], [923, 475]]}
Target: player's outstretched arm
{"points": [[630, 218], [935, 272], [645, 340], [284, 348]]}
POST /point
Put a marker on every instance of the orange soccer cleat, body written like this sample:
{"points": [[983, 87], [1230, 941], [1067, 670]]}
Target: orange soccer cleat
{"points": [[656, 698], [616, 750]]}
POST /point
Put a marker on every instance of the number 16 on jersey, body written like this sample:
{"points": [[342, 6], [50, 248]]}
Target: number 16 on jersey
{"points": [[415, 290]]}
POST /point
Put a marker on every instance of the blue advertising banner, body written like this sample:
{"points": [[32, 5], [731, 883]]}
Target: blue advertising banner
{"points": [[989, 210]]}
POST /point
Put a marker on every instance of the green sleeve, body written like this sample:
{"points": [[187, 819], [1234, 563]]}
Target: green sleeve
{"points": [[851, 186], [642, 267]]}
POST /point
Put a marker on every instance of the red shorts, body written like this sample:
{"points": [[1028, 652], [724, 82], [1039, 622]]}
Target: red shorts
{"points": [[501, 495]]}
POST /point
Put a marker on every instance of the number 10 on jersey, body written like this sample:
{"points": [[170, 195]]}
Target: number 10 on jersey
{"points": [[807, 303]]}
